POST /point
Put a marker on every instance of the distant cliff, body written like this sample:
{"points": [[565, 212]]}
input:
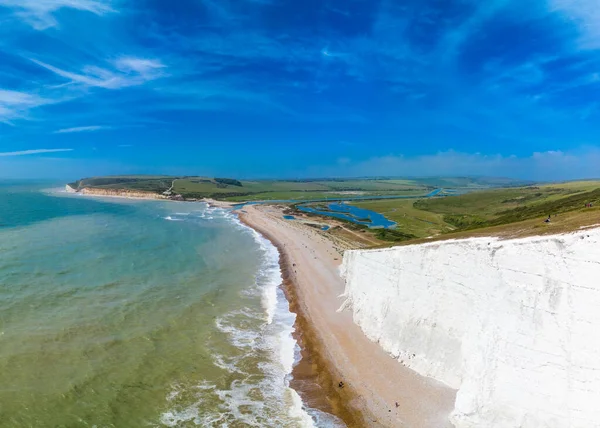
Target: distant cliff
{"points": [[512, 325], [122, 193]]}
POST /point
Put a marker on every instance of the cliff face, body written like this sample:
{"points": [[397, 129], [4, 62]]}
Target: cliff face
{"points": [[123, 193], [513, 325]]}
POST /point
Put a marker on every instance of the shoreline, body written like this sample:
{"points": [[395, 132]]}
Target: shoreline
{"points": [[378, 390], [145, 196], [312, 376]]}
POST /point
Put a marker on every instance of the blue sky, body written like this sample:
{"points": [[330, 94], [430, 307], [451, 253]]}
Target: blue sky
{"points": [[288, 88]]}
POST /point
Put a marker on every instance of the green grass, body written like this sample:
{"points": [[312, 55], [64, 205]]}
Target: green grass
{"points": [[146, 183], [255, 190], [552, 207], [252, 190], [409, 219], [471, 182], [269, 190], [393, 235], [484, 208], [495, 210], [311, 195], [564, 223]]}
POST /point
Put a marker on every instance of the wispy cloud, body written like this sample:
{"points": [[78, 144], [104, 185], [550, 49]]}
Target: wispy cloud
{"points": [[40, 13], [551, 165], [516, 76], [81, 129], [585, 15], [149, 68], [16, 104], [34, 152], [125, 72]]}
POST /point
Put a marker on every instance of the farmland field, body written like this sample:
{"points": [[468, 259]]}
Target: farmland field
{"points": [[259, 190]]}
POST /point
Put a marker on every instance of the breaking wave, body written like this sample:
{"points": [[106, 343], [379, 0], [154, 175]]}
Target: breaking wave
{"points": [[261, 362]]}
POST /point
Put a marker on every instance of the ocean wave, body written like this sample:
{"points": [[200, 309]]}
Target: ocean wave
{"points": [[284, 349], [205, 213], [268, 399], [229, 364], [239, 337], [54, 191]]}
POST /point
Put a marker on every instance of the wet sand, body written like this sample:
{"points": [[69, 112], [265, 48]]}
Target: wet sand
{"points": [[378, 391]]}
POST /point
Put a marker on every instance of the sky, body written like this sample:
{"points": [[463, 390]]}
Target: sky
{"points": [[292, 89]]}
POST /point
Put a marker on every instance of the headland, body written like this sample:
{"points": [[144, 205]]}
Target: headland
{"points": [[473, 295]]}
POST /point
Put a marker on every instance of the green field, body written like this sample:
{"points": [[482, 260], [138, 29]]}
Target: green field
{"points": [[263, 190], [408, 218], [498, 209], [486, 205], [147, 183], [296, 190]]}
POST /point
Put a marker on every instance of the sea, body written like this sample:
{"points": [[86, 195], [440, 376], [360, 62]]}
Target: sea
{"points": [[133, 313]]}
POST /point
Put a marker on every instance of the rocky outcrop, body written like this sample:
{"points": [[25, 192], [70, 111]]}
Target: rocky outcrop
{"points": [[513, 325]]}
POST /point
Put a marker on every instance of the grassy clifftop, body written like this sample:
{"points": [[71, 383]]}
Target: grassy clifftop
{"points": [[513, 211], [487, 206], [231, 189], [145, 183]]}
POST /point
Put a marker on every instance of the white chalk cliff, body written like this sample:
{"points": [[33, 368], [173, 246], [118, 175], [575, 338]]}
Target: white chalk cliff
{"points": [[513, 325], [123, 193]]}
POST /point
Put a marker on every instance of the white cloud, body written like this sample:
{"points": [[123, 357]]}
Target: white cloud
{"points": [[550, 165], [128, 71], [583, 13], [92, 76], [34, 152], [149, 68], [40, 13], [15, 104], [81, 129]]}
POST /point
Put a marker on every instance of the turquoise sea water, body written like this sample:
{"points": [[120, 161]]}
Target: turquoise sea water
{"points": [[121, 313]]}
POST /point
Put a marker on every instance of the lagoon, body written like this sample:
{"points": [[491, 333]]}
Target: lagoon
{"points": [[351, 213]]}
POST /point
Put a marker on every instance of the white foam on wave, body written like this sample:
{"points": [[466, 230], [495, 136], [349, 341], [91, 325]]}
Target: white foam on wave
{"points": [[271, 276], [250, 400], [173, 418], [189, 215], [190, 413], [281, 343], [240, 338], [229, 364], [55, 190]]}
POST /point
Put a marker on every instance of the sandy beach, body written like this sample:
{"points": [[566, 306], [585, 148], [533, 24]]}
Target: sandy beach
{"points": [[378, 390]]}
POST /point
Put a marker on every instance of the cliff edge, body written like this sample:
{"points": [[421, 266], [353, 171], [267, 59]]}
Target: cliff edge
{"points": [[121, 193], [511, 324]]}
